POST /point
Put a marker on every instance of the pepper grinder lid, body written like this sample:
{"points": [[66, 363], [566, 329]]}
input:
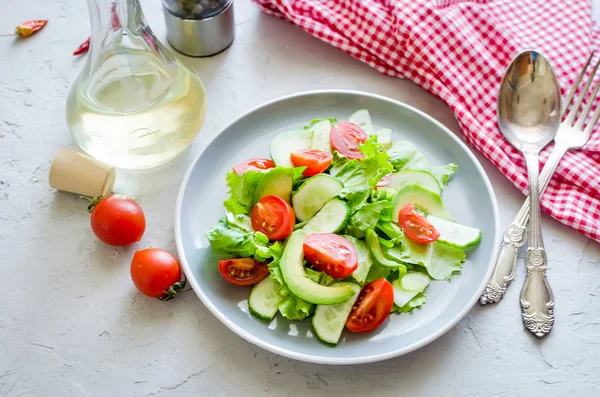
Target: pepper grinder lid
{"points": [[199, 28]]}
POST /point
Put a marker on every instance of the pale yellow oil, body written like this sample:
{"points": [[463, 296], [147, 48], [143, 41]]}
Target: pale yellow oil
{"points": [[136, 111]]}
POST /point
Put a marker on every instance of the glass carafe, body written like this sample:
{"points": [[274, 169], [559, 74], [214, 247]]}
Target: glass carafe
{"points": [[134, 105]]}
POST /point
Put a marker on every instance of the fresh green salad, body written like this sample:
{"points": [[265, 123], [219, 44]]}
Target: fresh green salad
{"points": [[340, 223]]}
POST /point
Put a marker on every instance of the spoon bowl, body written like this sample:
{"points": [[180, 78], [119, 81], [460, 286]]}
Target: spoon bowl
{"points": [[529, 103]]}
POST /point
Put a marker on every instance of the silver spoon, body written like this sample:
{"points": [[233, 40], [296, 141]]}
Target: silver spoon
{"points": [[529, 116]]}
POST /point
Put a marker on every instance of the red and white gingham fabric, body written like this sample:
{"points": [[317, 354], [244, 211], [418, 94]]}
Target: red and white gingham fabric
{"points": [[459, 50]]}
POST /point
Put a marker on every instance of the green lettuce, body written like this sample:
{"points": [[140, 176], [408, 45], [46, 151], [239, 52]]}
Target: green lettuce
{"points": [[360, 176], [228, 238], [440, 260], [241, 191], [405, 156], [366, 217]]}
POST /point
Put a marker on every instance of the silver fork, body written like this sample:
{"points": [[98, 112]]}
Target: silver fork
{"points": [[571, 135]]}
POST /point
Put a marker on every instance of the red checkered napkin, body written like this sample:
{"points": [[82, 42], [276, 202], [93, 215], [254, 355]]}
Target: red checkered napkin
{"points": [[459, 50]]}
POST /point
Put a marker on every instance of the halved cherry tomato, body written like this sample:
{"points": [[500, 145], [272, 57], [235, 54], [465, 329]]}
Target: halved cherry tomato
{"points": [[243, 271], [156, 273], [118, 220], [274, 217], [345, 138], [316, 161], [416, 226], [331, 253], [253, 165], [372, 306], [383, 182]]}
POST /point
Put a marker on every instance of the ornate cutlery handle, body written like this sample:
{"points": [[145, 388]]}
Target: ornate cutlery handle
{"points": [[515, 237], [506, 264], [537, 299]]}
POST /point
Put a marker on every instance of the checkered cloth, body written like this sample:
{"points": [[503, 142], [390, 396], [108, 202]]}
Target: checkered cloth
{"points": [[459, 50]]}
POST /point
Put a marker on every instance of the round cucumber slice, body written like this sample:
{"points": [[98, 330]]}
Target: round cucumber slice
{"points": [[422, 198], [329, 320], [332, 218], [314, 194], [264, 299]]}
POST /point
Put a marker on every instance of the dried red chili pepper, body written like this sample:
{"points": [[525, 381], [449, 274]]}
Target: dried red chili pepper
{"points": [[83, 48], [28, 28]]}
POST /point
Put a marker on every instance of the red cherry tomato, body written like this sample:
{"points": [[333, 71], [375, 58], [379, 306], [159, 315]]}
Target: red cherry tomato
{"points": [[316, 161], [118, 220], [416, 226], [243, 271], [253, 165], [383, 182], [274, 217], [331, 253], [372, 306], [156, 273], [345, 138]]}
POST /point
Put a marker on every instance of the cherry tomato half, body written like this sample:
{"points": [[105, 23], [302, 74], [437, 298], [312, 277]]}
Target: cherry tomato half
{"points": [[383, 182], [253, 165], [416, 226], [316, 161], [118, 220], [274, 217], [345, 138], [154, 272], [331, 253], [372, 306], [243, 271]]}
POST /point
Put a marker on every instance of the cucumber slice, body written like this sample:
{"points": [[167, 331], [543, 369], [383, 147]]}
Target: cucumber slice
{"points": [[320, 139], [409, 286], [332, 218], [410, 177], [421, 198], [384, 137], [298, 282], [362, 118], [264, 299], [286, 142], [456, 235], [314, 194], [364, 260], [329, 320]]}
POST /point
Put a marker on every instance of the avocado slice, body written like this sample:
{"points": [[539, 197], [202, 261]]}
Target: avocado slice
{"points": [[275, 182], [292, 268], [422, 198], [377, 252]]}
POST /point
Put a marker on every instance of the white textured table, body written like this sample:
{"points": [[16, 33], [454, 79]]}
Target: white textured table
{"points": [[72, 324]]}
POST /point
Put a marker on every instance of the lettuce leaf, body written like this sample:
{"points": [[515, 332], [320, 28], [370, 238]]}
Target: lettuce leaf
{"points": [[405, 156], [440, 260], [359, 175], [241, 191], [229, 239], [366, 217]]}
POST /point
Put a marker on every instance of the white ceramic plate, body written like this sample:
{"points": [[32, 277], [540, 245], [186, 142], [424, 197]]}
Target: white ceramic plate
{"points": [[469, 198]]}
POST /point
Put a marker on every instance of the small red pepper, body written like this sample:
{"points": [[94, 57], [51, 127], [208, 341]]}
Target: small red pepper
{"points": [[28, 28], [83, 48]]}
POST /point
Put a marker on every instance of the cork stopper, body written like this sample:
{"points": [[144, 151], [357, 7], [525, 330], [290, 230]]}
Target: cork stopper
{"points": [[80, 174]]}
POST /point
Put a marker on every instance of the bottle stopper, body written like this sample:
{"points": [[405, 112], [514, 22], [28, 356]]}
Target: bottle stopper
{"points": [[80, 174]]}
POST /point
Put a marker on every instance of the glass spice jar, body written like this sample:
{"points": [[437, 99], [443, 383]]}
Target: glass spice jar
{"points": [[199, 27]]}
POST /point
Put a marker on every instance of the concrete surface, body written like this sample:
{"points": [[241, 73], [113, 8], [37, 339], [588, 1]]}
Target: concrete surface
{"points": [[72, 323]]}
